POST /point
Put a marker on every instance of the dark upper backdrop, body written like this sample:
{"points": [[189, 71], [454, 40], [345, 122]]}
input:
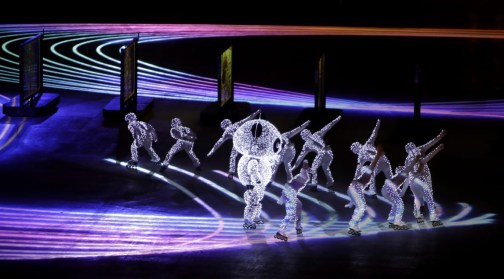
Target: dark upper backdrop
{"points": [[413, 13]]}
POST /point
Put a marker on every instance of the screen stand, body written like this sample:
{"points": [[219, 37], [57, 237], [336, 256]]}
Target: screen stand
{"points": [[44, 104], [112, 111]]}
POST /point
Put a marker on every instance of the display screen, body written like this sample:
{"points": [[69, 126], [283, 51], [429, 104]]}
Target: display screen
{"points": [[31, 67], [320, 96], [129, 73], [226, 77]]}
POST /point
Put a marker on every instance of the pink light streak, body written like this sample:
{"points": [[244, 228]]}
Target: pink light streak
{"points": [[216, 30]]}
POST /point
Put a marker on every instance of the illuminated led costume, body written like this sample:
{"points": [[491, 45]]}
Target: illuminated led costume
{"points": [[365, 153], [391, 190], [356, 193], [293, 206], [259, 142], [143, 136], [421, 184], [315, 143], [288, 151], [229, 130], [185, 141]]}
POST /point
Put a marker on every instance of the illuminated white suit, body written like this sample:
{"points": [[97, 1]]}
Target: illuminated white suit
{"points": [[288, 151], [259, 142], [143, 136], [315, 143], [185, 141], [356, 193], [229, 130], [365, 153], [391, 190], [293, 205], [421, 183]]}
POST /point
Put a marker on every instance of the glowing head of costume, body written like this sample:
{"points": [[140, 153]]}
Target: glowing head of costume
{"points": [[411, 148], [130, 117], [225, 123], [356, 147], [258, 138], [305, 134], [176, 122]]}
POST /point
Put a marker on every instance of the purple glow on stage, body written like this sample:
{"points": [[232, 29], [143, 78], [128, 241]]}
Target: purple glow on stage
{"points": [[37, 233], [92, 66], [29, 233]]}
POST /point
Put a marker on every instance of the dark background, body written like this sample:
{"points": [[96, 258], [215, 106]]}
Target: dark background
{"points": [[459, 14], [378, 69]]}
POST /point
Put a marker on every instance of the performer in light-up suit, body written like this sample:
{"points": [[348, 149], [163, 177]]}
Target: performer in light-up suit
{"points": [[391, 190], [365, 153], [356, 193], [293, 206], [315, 142], [185, 141], [259, 142], [288, 151], [229, 130], [143, 136], [421, 184]]}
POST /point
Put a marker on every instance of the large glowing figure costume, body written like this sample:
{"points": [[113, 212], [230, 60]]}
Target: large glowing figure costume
{"points": [[259, 142], [288, 151], [229, 130], [365, 153], [143, 136], [421, 183], [391, 190], [356, 193], [293, 206], [185, 141], [315, 143]]}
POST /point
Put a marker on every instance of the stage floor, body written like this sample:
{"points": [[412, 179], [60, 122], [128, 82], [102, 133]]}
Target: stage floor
{"points": [[70, 208]]}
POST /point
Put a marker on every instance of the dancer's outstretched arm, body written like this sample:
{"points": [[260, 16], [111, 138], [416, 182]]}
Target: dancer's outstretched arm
{"points": [[217, 145], [327, 127], [301, 156], [250, 117], [432, 142], [374, 134], [296, 131]]}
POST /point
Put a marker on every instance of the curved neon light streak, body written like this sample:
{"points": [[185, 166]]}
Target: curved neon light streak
{"points": [[7, 128], [215, 214], [64, 233]]}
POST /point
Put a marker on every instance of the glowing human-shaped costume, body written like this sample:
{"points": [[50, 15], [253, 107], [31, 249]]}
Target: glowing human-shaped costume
{"points": [[365, 153], [391, 190], [185, 141], [229, 130], [293, 206], [143, 136], [259, 142], [421, 183], [356, 193], [288, 151], [315, 143]]}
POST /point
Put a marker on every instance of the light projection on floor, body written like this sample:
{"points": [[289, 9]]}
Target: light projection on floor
{"points": [[30, 232], [8, 130], [81, 58]]}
